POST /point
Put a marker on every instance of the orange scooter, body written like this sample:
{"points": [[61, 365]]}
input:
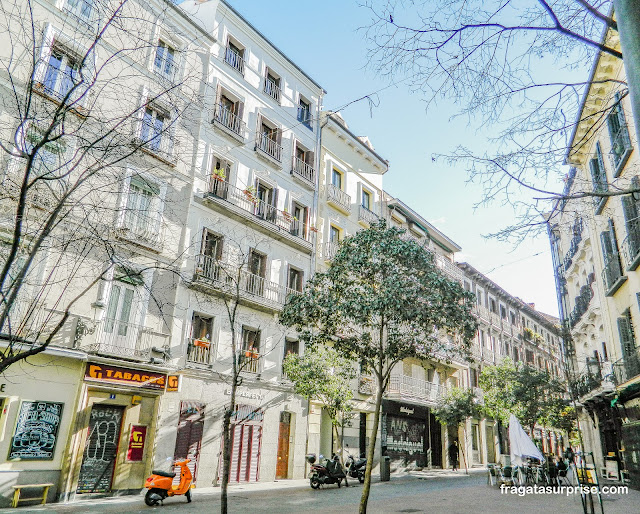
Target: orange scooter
{"points": [[160, 484]]}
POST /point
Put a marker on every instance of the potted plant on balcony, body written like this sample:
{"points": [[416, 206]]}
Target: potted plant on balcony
{"points": [[251, 193], [219, 174], [287, 215], [251, 353], [202, 342]]}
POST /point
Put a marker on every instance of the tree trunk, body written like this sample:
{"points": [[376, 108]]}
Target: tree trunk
{"points": [[371, 449], [462, 447], [226, 447], [628, 19]]}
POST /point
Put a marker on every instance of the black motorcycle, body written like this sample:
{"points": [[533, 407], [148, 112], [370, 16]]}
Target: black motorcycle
{"points": [[356, 468], [327, 471]]}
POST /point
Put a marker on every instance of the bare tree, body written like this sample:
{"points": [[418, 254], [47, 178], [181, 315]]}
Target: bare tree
{"points": [[85, 132], [236, 284], [511, 67]]}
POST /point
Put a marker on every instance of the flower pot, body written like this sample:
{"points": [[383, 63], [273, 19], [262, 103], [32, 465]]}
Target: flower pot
{"points": [[201, 343]]}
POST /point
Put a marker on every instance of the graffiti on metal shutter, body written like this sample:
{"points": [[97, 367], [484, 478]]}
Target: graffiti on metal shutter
{"points": [[101, 449]]}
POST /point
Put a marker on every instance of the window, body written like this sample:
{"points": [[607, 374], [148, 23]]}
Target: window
{"points": [[493, 306], [612, 266], [304, 112], [208, 265], [298, 220], [267, 197], [257, 265], [234, 56], [229, 111], [303, 163], [291, 347], [513, 318], [334, 234], [200, 343], [249, 358], [272, 85], [50, 159], [62, 73], [618, 136], [627, 335], [336, 178], [631, 208], [164, 62], [366, 199], [269, 139], [84, 10], [295, 279], [503, 312], [154, 133], [473, 377], [120, 312], [599, 178], [220, 177], [142, 207]]}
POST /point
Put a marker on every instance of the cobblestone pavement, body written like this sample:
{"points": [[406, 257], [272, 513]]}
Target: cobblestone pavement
{"points": [[431, 492]]}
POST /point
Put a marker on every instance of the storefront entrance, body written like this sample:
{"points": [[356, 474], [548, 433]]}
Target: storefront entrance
{"points": [[101, 449]]}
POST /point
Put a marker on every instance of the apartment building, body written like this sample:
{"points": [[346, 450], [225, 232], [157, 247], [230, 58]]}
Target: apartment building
{"points": [[70, 413], [249, 239], [595, 242], [508, 328]]}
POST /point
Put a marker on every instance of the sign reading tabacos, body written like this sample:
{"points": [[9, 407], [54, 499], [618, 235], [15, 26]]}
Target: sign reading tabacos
{"points": [[125, 376]]}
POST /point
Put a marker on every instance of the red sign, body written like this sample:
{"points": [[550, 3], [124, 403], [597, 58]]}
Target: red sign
{"points": [[136, 442], [125, 376]]}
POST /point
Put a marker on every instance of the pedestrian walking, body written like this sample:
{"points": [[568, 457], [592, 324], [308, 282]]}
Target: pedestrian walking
{"points": [[453, 455]]}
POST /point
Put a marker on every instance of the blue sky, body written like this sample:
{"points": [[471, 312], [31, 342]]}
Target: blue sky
{"points": [[323, 39]]}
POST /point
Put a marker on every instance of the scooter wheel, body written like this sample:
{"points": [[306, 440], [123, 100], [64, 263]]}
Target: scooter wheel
{"points": [[314, 482], [151, 498], [361, 479], [188, 495]]}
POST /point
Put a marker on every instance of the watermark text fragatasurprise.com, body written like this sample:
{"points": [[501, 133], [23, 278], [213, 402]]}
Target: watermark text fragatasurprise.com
{"points": [[567, 490]]}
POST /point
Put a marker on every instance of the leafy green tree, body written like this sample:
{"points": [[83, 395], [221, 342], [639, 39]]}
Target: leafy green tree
{"points": [[322, 374], [454, 408], [527, 392], [383, 300]]}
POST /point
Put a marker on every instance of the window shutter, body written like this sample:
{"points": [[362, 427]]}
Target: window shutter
{"points": [[279, 136], [218, 94], [46, 45], [607, 247], [240, 108], [614, 239], [635, 184], [593, 167], [275, 197], [603, 172], [630, 210], [626, 336], [619, 111]]}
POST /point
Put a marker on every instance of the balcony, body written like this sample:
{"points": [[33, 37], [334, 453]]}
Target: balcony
{"points": [[245, 206], [448, 268], [125, 340], [137, 228], [213, 274], [620, 149], [158, 143], [338, 199], [234, 59], [250, 361], [83, 11], [229, 122], [200, 352], [578, 227], [627, 368], [269, 148], [596, 375], [272, 89], [582, 302], [330, 249], [402, 387], [366, 217], [60, 85], [612, 274], [631, 246], [600, 201], [304, 172]]}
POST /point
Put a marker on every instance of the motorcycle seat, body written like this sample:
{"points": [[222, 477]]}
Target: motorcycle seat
{"points": [[163, 473]]}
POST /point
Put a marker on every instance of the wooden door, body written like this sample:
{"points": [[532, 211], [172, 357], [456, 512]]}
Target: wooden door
{"points": [[282, 465], [491, 444], [189, 436]]}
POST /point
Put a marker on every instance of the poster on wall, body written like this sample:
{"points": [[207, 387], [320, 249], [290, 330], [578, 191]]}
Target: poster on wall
{"points": [[136, 442], [36, 431]]}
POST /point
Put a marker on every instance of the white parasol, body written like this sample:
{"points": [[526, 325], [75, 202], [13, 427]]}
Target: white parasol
{"points": [[521, 444]]}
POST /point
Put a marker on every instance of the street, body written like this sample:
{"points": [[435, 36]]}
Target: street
{"points": [[432, 493]]}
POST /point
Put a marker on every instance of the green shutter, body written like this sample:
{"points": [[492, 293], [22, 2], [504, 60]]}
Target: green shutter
{"points": [[626, 335]]}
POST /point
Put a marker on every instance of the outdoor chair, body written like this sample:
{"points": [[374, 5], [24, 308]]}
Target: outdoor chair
{"points": [[506, 475], [492, 476]]}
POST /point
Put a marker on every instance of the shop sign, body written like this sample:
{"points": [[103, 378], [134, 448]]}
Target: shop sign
{"points": [[406, 410], [136, 442], [251, 395], [173, 383], [36, 431], [125, 376]]}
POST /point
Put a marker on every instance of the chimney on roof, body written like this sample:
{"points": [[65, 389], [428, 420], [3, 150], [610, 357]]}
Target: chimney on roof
{"points": [[532, 305]]}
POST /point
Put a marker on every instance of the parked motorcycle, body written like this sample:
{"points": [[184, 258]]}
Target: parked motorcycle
{"points": [[160, 484], [327, 471], [356, 468]]}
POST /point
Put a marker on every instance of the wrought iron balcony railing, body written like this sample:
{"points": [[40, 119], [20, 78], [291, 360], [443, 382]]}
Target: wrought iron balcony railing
{"points": [[366, 215], [338, 198], [620, 148], [403, 386], [200, 351], [612, 272], [272, 89], [230, 121], [234, 59], [304, 171], [269, 146], [123, 339], [330, 250], [631, 245], [627, 368]]}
